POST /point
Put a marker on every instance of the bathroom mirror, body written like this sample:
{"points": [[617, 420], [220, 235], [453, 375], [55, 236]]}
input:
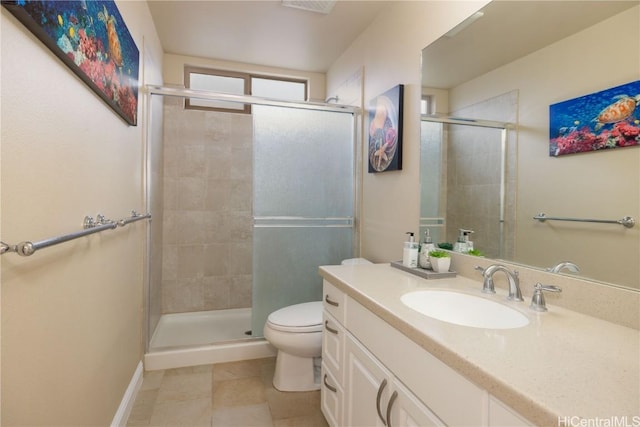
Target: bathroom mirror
{"points": [[509, 63]]}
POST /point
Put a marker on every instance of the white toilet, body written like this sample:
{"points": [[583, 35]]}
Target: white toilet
{"points": [[296, 331]]}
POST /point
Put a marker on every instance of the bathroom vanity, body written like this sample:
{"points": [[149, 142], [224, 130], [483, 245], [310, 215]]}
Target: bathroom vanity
{"points": [[386, 364]]}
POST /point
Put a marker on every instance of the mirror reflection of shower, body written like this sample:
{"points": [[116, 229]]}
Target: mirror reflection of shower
{"points": [[233, 217], [466, 183]]}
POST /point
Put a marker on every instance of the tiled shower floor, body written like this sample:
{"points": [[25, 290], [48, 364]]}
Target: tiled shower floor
{"points": [[224, 394]]}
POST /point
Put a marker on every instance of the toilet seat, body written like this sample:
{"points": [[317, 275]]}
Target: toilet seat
{"points": [[298, 318]]}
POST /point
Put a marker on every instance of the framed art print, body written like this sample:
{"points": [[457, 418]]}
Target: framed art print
{"points": [[385, 131], [602, 120]]}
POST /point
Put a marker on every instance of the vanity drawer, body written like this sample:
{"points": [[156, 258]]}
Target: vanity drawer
{"points": [[333, 336], [333, 301], [331, 397]]}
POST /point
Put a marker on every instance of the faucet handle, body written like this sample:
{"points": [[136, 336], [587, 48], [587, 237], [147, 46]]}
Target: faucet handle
{"points": [[487, 285], [537, 300]]}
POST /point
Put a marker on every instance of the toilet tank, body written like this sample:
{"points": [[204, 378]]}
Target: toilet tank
{"points": [[352, 261]]}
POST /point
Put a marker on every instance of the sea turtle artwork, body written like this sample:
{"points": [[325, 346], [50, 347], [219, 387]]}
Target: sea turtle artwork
{"points": [[618, 111], [112, 35], [602, 120]]}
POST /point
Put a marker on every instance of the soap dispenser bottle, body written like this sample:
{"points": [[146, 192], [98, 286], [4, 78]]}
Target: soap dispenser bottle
{"points": [[410, 252], [463, 244], [426, 247]]}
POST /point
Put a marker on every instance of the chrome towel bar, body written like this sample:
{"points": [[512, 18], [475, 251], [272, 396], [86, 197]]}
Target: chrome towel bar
{"points": [[627, 221], [90, 226]]}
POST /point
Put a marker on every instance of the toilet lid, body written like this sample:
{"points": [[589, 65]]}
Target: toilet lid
{"points": [[305, 317]]}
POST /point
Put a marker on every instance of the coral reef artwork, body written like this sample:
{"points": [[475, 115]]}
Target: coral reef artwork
{"points": [[602, 120], [91, 38]]}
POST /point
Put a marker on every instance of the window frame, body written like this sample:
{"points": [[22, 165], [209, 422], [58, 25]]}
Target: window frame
{"points": [[246, 77]]}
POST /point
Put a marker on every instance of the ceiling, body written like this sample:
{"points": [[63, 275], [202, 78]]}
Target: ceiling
{"points": [[261, 32], [510, 30], [264, 32]]}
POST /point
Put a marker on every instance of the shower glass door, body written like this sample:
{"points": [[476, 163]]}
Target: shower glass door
{"points": [[303, 203]]}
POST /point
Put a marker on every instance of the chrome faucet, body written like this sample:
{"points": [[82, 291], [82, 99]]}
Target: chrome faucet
{"points": [[564, 265], [513, 277]]}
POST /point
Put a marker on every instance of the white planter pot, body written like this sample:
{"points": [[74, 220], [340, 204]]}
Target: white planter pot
{"points": [[440, 265]]}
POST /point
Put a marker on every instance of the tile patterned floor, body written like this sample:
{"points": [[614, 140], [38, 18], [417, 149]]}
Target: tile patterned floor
{"points": [[220, 395]]}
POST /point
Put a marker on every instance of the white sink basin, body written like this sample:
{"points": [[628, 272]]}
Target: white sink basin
{"points": [[464, 309]]}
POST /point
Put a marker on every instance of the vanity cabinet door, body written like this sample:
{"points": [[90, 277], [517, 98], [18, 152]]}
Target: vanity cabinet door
{"points": [[367, 387], [500, 415], [407, 410], [374, 397]]}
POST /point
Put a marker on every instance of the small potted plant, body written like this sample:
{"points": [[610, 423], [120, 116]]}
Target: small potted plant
{"points": [[475, 252], [446, 245], [440, 261]]}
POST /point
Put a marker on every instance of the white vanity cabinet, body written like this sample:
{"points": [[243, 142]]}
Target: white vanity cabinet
{"points": [[373, 375], [357, 390]]}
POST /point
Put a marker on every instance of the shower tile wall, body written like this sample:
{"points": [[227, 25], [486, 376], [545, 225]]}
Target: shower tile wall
{"points": [[207, 232]]}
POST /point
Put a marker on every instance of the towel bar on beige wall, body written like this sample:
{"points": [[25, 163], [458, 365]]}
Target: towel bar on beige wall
{"points": [[90, 226], [627, 221]]}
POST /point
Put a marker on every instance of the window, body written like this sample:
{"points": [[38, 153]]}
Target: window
{"points": [[239, 84], [427, 104]]}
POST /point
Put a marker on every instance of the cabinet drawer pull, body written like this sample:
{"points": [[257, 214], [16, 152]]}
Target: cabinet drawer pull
{"points": [[329, 386], [383, 384], [391, 401], [329, 328], [333, 303]]}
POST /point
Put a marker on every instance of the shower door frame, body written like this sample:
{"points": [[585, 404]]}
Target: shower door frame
{"points": [[150, 90]]}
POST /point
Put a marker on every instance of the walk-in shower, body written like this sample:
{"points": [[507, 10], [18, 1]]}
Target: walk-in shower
{"points": [[249, 206]]}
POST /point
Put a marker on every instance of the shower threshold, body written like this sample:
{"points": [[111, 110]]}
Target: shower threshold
{"points": [[206, 337], [201, 328]]}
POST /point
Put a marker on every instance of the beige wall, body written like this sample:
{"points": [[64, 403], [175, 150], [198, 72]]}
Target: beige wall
{"points": [[174, 72], [592, 185], [71, 314], [390, 52]]}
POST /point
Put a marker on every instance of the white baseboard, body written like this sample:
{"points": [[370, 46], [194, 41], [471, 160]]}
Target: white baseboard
{"points": [[129, 398]]}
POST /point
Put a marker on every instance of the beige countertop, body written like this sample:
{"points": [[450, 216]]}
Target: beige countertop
{"points": [[562, 364]]}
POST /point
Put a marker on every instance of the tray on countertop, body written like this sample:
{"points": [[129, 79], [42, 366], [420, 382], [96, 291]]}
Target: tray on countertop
{"points": [[423, 272]]}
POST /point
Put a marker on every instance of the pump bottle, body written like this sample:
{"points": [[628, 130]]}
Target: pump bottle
{"points": [[463, 244], [425, 247], [410, 252]]}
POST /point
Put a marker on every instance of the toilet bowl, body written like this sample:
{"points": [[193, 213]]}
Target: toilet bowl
{"points": [[296, 332]]}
